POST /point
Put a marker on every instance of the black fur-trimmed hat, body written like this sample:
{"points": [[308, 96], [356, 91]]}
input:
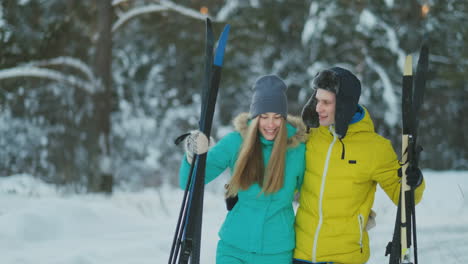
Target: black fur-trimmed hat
{"points": [[347, 88]]}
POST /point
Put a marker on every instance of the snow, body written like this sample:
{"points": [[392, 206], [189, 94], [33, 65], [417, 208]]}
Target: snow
{"points": [[40, 223], [136, 12], [368, 22], [67, 61], [2, 21], [229, 8], [254, 3], [316, 22], [23, 2], [390, 3], [30, 71], [392, 115], [367, 19], [163, 5]]}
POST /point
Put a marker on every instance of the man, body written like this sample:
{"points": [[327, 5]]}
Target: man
{"points": [[345, 160]]}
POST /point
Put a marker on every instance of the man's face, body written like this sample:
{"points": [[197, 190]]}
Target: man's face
{"points": [[326, 105]]}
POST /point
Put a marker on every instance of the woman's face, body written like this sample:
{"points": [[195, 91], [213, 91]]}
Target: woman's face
{"points": [[269, 125]]}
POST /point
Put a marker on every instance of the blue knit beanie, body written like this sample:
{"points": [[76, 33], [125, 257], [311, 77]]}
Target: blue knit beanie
{"points": [[269, 96]]}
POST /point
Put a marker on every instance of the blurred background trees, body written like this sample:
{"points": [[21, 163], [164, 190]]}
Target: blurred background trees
{"points": [[91, 106]]}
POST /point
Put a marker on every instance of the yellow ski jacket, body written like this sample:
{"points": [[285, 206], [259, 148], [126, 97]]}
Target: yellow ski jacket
{"points": [[338, 192]]}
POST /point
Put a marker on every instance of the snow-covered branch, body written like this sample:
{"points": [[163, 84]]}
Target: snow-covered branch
{"points": [[136, 12], [29, 71], [388, 92], [394, 43], [162, 5], [316, 22], [368, 21], [67, 61], [230, 7], [183, 10], [117, 2]]}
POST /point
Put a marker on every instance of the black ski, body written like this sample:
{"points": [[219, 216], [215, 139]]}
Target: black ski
{"points": [[187, 237], [404, 236]]}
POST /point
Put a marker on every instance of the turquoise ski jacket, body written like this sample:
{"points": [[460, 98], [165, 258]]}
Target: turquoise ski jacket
{"points": [[258, 223]]}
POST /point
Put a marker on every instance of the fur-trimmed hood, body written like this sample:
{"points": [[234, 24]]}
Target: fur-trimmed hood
{"points": [[241, 122]]}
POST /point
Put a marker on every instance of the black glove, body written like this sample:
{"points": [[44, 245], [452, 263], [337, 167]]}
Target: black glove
{"points": [[414, 176], [230, 202]]}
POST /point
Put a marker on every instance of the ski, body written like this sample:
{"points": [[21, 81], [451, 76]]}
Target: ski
{"points": [[403, 247], [187, 237]]}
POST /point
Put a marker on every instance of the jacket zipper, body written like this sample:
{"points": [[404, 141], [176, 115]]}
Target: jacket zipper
{"points": [[361, 226], [322, 190]]}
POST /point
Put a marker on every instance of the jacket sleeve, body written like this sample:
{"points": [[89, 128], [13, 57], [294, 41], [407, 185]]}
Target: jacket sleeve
{"points": [[418, 192], [385, 171], [220, 157], [386, 174], [300, 179]]}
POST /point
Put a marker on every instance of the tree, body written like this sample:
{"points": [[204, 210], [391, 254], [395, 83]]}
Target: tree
{"points": [[98, 83], [68, 117], [102, 179]]}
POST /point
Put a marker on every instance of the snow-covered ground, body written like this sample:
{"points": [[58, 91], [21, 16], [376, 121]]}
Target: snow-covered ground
{"points": [[42, 225]]}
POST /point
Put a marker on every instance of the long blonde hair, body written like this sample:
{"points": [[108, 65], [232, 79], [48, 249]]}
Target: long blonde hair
{"points": [[249, 168]]}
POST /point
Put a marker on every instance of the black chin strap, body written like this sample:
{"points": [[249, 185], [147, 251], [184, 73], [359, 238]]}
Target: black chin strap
{"points": [[342, 149]]}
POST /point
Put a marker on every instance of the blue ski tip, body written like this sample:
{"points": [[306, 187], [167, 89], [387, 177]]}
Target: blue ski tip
{"points": [[219, 56]]}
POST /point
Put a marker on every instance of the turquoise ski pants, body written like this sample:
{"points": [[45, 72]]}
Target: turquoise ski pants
{"points": [[226, 254]]}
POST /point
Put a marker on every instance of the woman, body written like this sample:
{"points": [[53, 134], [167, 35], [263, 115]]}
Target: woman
{"points": [[266, 158]]}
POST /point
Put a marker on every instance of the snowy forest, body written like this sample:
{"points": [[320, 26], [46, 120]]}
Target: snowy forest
{"points": [[93, 93]]}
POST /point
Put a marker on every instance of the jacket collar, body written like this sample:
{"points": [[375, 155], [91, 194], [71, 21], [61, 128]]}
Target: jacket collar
{"points": [[359, 123], [295, 127]]}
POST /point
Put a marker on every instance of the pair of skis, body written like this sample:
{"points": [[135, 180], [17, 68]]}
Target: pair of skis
{"points": [[403, 247], [187, 237]]}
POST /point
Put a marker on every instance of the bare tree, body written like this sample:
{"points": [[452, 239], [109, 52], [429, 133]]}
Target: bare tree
{"points": [[97, 80], [101, 178]]}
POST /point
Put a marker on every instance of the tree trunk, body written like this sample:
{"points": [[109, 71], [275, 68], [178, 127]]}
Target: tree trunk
{"points": [[102, 178]]}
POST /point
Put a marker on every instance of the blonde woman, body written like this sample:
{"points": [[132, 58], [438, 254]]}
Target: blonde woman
{"points": [[266, 157]]}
